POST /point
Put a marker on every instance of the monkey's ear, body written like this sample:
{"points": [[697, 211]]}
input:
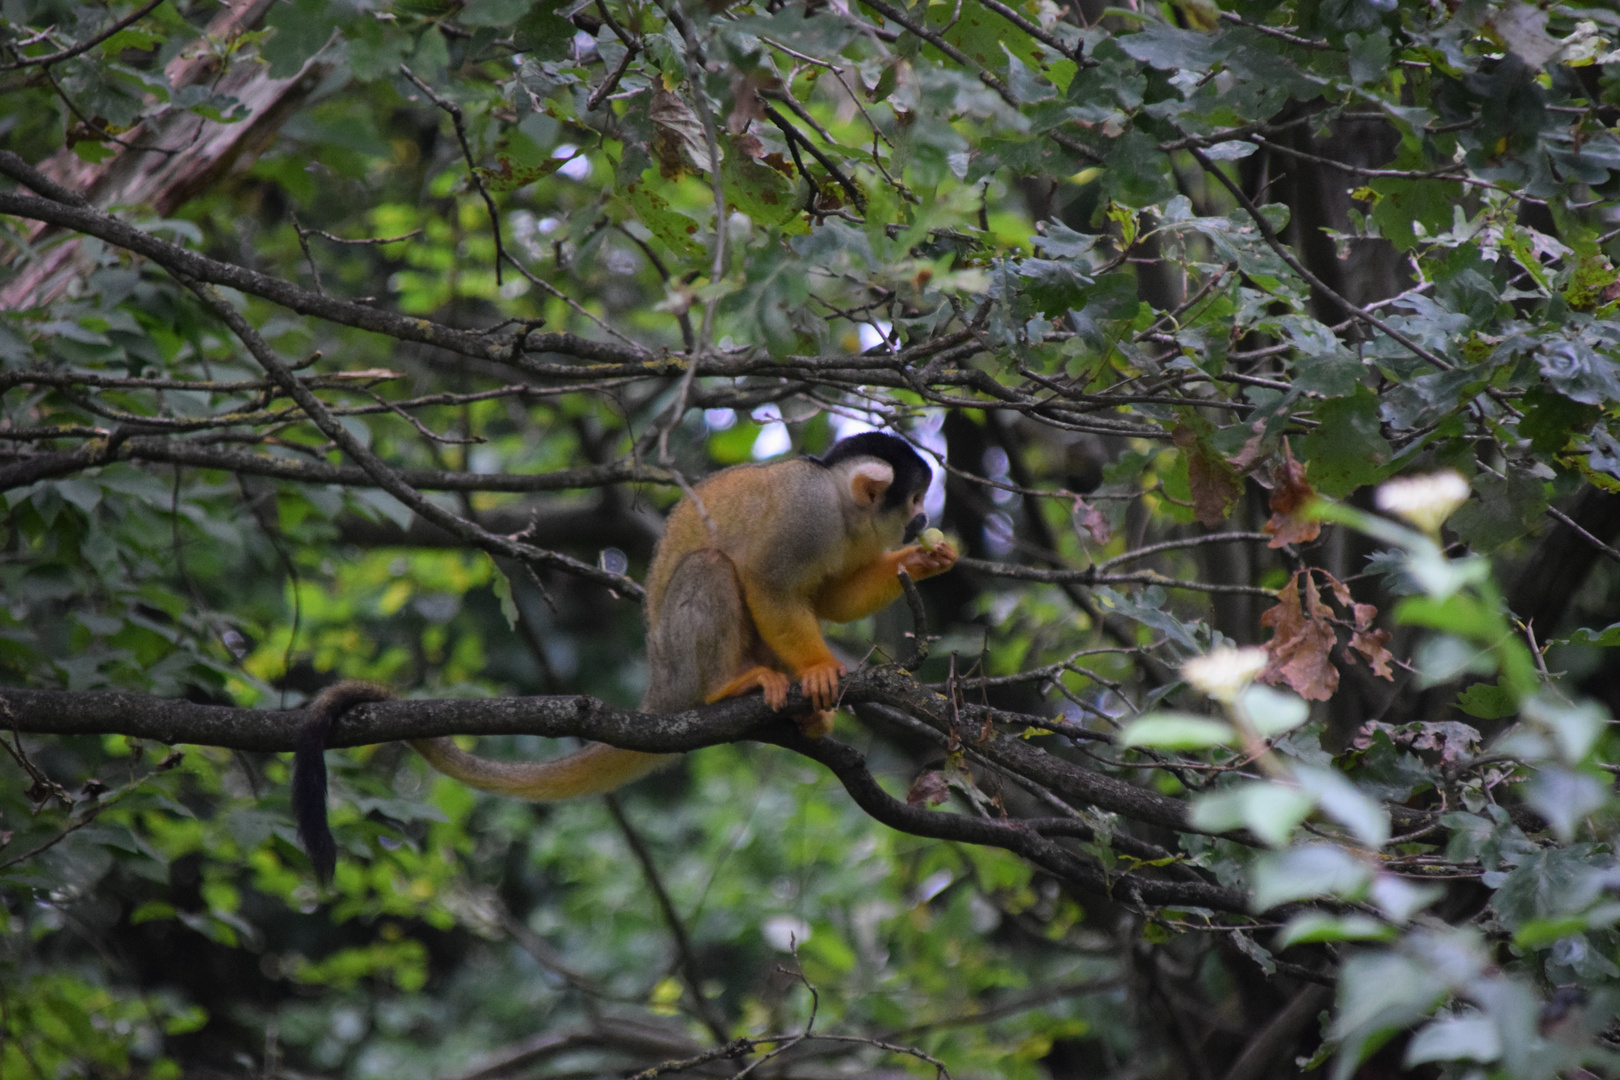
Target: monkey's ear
{"points": [[868, 482]]}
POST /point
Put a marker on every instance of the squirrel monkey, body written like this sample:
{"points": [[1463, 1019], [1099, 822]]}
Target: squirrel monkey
{"points": [[748, 567]]}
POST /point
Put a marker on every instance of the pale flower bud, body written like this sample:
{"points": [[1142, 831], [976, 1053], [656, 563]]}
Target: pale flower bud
{"points": [[1424, 501], [1223, 673]]}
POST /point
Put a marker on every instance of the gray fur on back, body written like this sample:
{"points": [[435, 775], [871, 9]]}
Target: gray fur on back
{"points": [[703, 592]]}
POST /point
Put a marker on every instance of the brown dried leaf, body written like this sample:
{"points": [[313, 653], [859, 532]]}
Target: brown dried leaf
{"points": [[1252, 451], [1092, 521], [929, 789], [1364, 615], [1301, 642], [1214, 483], [1290, 493], [746, 104], [678, 140], [1313, 598], [1370, 644]]}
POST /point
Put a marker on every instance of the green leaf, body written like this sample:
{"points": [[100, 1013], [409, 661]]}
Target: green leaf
{"points": [[1170, 48], [764, 194], [673, 229], [1463, 615], [1272, 712], [1443, 658], [1507, 508], [1340, 800], [1347, 451], [1550, 419], [541, 33], [1054, 287], [1369, 56], [1539, 933], [1402, 204], [1575, 726], [1380, 993], [1268, 809], [503, 592], [302, 28], [1471, 1037], [1488, 701], [501, 13], [1579, 372], [1400, 899], [1608, 637], [1177, 731], [1565, 798], [1315, 926], [1305, 872]]}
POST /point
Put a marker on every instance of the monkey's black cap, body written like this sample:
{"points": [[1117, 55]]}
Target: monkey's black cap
{"points": [[911, 472]]}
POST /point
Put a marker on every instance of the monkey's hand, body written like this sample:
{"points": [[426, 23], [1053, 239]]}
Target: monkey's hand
{"points": [[920, 563], [820, 683]]}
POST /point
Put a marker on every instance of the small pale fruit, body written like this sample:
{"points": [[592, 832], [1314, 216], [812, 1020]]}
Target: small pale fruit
{"points": [[931, 539]]}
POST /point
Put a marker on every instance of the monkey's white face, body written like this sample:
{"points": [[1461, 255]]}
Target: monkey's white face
{"points": [[914, 505], [869, 482], [914, 517]]}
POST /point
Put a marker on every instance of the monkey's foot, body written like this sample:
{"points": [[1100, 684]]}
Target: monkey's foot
{"points": [[820, 683], [774, 684], [816, 724]]}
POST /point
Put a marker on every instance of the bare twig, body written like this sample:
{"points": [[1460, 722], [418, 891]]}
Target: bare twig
{"points": [[472, 166], [919, 624]]}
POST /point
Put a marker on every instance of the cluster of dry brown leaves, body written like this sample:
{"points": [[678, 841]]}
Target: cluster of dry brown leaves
{"points": [[1304, 634], [1303, 624]]}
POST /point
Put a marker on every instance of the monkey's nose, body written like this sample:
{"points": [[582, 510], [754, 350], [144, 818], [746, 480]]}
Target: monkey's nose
{"points": [[915, 526]]}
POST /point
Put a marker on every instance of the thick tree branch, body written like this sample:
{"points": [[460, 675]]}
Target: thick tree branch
{"points": [[142, 716], [62, 713]]}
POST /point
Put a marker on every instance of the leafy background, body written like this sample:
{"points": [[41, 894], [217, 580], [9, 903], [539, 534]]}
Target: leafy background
{"points": [[1143, 283]]}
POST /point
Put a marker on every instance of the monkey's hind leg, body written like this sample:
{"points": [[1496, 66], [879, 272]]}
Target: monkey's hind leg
{"points": [[703, 646]]}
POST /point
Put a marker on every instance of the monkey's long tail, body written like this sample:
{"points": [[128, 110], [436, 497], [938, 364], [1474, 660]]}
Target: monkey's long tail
{"points": [[588, 771], [309, 767]]}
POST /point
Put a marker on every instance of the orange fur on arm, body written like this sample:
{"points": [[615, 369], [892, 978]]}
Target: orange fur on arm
{"points": [[871, 588]]}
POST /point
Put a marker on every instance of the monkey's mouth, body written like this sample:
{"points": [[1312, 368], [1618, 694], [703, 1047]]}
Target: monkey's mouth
{"points": [[915, 526]]}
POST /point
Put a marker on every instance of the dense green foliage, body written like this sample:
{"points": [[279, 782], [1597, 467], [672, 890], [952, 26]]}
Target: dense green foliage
{"points": [[1140, 282]]}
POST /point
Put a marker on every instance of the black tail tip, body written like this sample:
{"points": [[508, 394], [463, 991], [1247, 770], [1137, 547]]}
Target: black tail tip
{"points": [[322, 857], [309, 810]]}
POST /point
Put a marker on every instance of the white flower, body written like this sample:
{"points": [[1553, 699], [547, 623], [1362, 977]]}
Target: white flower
{"points": [[1424, 501], [1223, 673], [784, 933]]}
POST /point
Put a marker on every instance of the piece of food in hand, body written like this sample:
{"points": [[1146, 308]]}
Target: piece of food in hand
{"points": [[931, 539]]}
